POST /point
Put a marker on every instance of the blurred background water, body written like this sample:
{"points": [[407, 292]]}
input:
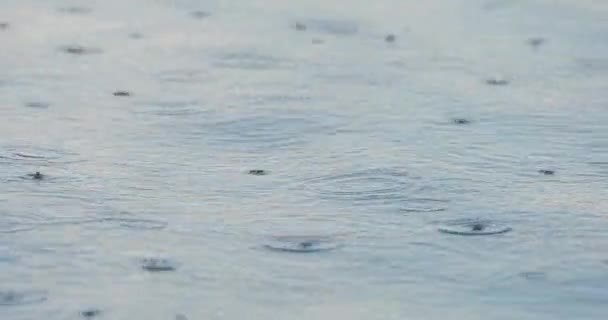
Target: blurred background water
{"points": [[378, 124]]}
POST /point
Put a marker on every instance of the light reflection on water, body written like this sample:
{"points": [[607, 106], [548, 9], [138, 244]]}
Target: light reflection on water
{"points": [[380, 159]]}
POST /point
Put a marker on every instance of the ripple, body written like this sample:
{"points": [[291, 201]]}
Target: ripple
{"points": [[131, 223], [80, 50], [301, 244], [248, 60], [255, 132], [471, 227], [158, 264], [171, 108], [332, 26], [31, 153], [16, 298], [38, 105], [376, 187], [183, 76], [74, 10]]}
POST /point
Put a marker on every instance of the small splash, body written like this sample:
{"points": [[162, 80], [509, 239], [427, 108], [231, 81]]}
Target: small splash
{"points": [[16, 298], [90, 313], [36, 176], [473, 228], [158, 264], [37, 105], [121, 93], [80, 50], [258, 172], [301, 244]]}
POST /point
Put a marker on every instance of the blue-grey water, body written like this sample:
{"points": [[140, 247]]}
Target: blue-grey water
{"points": [[403, 144]]}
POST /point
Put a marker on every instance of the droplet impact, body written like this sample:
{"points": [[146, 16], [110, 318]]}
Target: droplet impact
{"points": [[473, 228], [36, 176], [158, 264], [15, 298], [301, 244]]}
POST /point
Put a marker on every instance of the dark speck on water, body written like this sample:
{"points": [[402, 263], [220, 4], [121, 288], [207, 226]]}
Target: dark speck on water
{"points": [[536, 42], [300, 26], [122, 94], [4, 25], [546, 172], [497, 82], [37, 105], [258, 172], [181, 317], [461, 121], [200, 14], [36, 176], [390, 38], [90, 313], [80, 50], [135, 35], [478, 227]]}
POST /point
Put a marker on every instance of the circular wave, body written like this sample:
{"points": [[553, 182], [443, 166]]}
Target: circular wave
{"points": [[470, 227], [376, 187], [16, 298], [301, 244]]}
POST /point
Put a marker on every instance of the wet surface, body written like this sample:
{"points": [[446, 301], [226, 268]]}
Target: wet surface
{"points": [[303, 160]]}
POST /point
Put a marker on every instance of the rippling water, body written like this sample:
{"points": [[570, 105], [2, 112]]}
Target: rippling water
{"points": [[421, 160]]}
